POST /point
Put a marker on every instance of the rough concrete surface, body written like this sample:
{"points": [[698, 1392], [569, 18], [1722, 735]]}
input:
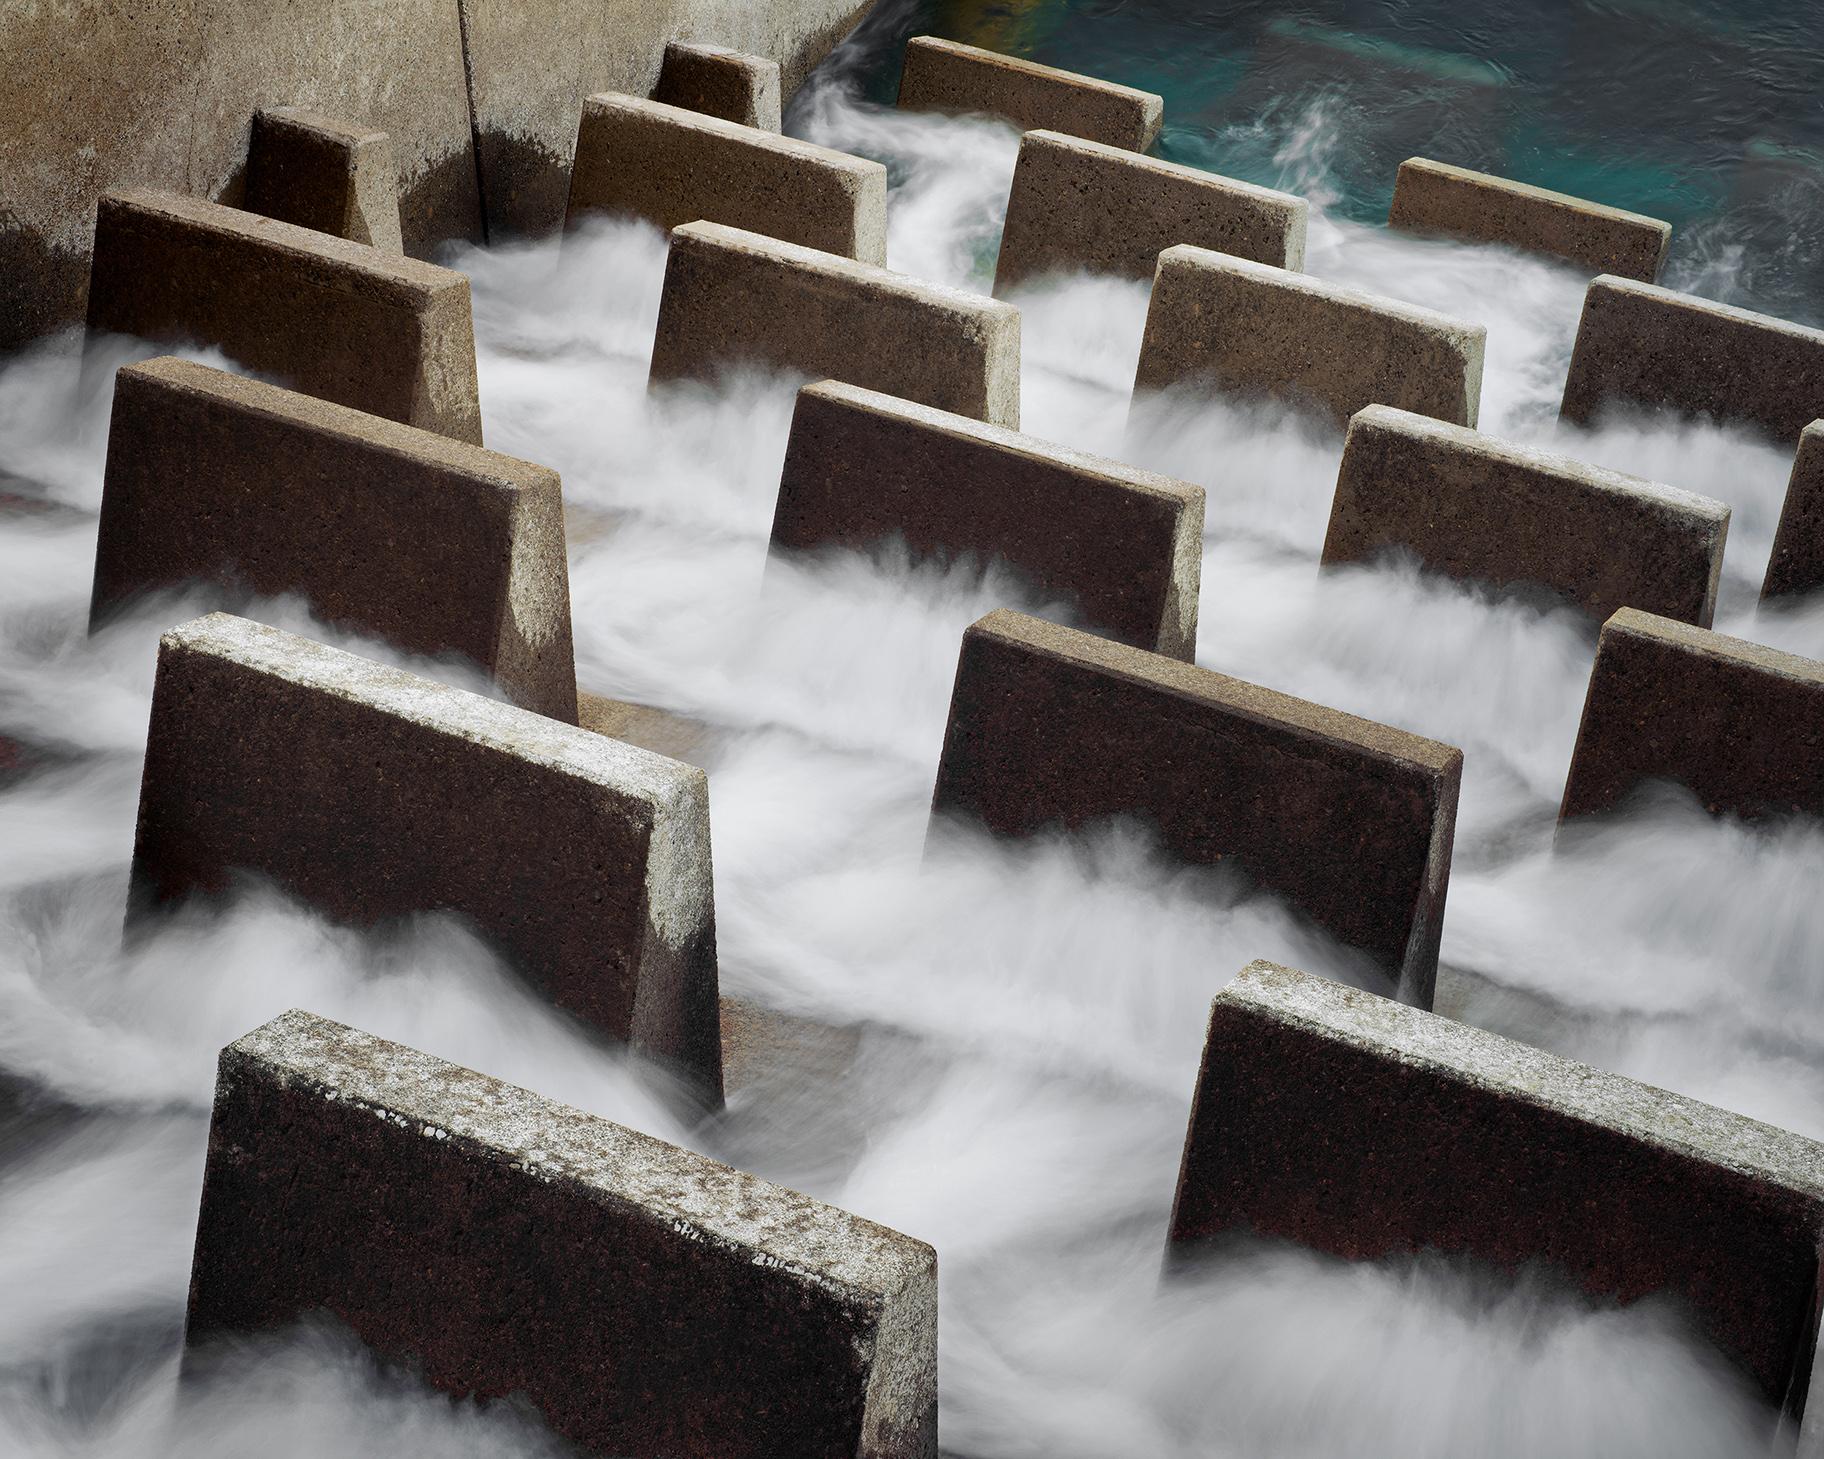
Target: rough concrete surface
{"points": [[374, 794], [1474, 506], [732, 296], [1122, 545], [1082, 206], [1797, 562], [721, 83], [324, 173], [644, 1299], [1349, 821]]}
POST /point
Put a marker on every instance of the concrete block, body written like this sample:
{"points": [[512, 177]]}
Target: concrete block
{"points": [[1123, 545], [338, 320], [1079, 205], [1797, 563], [1651, 348], [375, 794], [673, 166], [720, 83], [1434, 197], [1472, 506], [1739, 725], [732, 296], [434, 545], [945, 75], [320, 172], [1349, 821], [643, 1299], [1345, 1122], [1252, 329]]}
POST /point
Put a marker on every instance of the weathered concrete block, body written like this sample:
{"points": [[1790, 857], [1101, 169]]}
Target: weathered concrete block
{"points": [[1434, 197], [339, 320], [322, 173], [1079, 205], [944, 75], [373, 793], [1342, 1121], [1740, 725], [1348, 820], [644, 1299], [720, 83], [1253, 329], [434, 545], [1472, 506], [1124, 545], [732, 296], [1797, 563], [1644, 346], [674, 166]]}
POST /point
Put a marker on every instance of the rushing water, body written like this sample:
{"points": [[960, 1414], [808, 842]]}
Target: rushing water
{"points": [[1024, 1021]]}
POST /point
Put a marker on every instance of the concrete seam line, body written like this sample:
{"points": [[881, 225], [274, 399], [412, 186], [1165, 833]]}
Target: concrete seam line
{"points": [[468, 86]]}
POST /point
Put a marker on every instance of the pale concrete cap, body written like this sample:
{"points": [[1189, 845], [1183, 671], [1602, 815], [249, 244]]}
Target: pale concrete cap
{"points": [[721, 82], [325, 173]]}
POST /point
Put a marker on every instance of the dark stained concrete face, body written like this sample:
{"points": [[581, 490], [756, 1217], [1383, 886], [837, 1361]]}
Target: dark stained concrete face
{"points": [[324, 173], [1797, 563], [721, 83]]}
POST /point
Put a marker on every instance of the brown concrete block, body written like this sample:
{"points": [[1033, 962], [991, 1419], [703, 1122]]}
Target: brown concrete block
{"points": [[434, 545], [1079, 205], [1797, 563], [1125, 546], [1739, 725], [339, 320], [643, 1299], [1471, 506], [1434, 197], [732, 296], [1252, 329], [720, 83], [944, 75], [673, 166], [1651, 348], [1345, 1122], [374, 794], [1349, 821], [320, 172]]}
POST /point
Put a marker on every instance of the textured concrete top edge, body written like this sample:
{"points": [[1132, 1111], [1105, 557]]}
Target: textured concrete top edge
{"points": [[1503, 1066], [1255, 702], [720, 52], [1636, 623], [1697, 304], [316, 121], [736, 132], [1539, 194], [699, 1199], [1140, 162], [1034, 68]]}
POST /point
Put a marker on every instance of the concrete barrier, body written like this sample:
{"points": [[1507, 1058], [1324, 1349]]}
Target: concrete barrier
{"points": [[1349, 821], [339, 320], [1650, 348], [720, 83], [1123, 545], [1079, 205], [434, 545], [373, 794], [1252, 329], [1434, 197], [673, 166], [1739, 725], [320, 172], [643, 1299], [1471, 506], [1348, 1123], [1797, 562], [733, 297], [944, 75]]}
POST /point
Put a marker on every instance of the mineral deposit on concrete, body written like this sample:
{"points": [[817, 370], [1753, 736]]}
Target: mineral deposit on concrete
{"points": [[1797, 563], [721, 83], [323, 173]]}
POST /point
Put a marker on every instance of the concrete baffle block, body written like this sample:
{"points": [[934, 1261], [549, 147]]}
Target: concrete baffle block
{"points": [[1083, 206], [1739, 725], [1254, 330], [673, 166], [1348, 1123], [323, 173], [1350, 822], [732, 297], [1434, 197], [374, 794], [643, 1299], [1650, 348], [943, 75], [335, 319], [1476, 507], [1797, 562], [1122, 545], [720, 82], [434, 545]]}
